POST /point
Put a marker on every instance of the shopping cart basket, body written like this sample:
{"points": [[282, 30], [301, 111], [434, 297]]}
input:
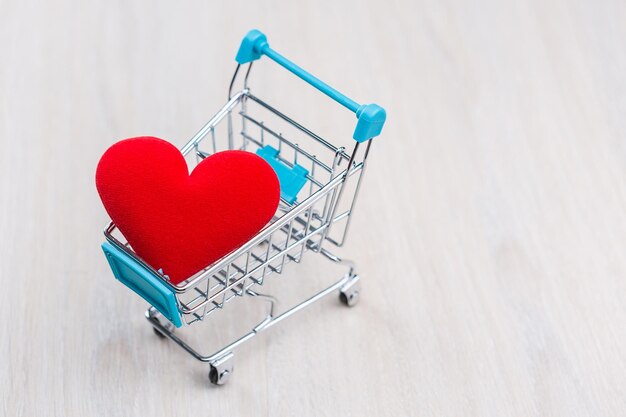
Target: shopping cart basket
{"points": [[319, 184]]}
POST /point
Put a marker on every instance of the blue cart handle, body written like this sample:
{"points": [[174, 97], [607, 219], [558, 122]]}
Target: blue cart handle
{"points": [[370, 117]]}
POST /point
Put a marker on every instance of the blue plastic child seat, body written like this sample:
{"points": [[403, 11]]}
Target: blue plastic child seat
{"points": [[291, 179]]}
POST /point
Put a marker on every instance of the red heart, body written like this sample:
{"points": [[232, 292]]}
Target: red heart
{"points": [[178, 222]]}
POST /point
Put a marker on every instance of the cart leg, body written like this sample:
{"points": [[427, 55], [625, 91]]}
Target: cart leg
{"points": [[221, 369], [350, 291]]}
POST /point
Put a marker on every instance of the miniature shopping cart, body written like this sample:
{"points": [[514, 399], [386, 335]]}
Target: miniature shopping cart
{"points": [[319, 184]]}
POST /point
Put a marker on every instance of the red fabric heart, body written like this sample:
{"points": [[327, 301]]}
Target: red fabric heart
{"points": [[178, 222]]}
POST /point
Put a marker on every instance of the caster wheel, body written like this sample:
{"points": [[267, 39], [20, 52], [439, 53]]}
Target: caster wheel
{"points": [[349, 299], [157, 320], [216, 377], [221, 370], [349, 293], [158, 333]]}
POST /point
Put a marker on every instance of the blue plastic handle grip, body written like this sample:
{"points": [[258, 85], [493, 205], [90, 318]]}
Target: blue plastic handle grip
{"points": [[371, 117]]}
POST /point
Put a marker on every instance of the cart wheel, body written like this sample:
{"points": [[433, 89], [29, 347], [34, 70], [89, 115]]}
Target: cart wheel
{"points": [[349, 299], [157, 319], [349, 293], [221, 370], [158, 333], [216, 377]]}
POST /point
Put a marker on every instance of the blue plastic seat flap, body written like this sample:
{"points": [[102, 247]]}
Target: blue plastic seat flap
{"points": [[143, 282], [291, 179]]}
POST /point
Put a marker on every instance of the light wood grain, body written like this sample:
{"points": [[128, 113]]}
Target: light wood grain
{"points": [[490, 233]]}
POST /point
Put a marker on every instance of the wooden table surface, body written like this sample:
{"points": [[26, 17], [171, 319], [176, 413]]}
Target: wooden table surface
{"points": [[490, 233]]}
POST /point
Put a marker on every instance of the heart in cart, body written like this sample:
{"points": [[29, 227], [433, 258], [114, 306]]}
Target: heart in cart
{"points": [[179, 223]]}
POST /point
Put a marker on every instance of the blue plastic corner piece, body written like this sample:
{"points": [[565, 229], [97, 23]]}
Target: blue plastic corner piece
{"points": [[371, 118], [143, 282], [291, 179], [251, 47]]}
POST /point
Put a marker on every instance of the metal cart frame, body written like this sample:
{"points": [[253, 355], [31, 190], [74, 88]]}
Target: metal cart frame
{"points": [[319, 186]]}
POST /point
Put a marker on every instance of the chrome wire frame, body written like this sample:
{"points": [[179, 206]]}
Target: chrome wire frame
{"points": [[319, 217]]}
